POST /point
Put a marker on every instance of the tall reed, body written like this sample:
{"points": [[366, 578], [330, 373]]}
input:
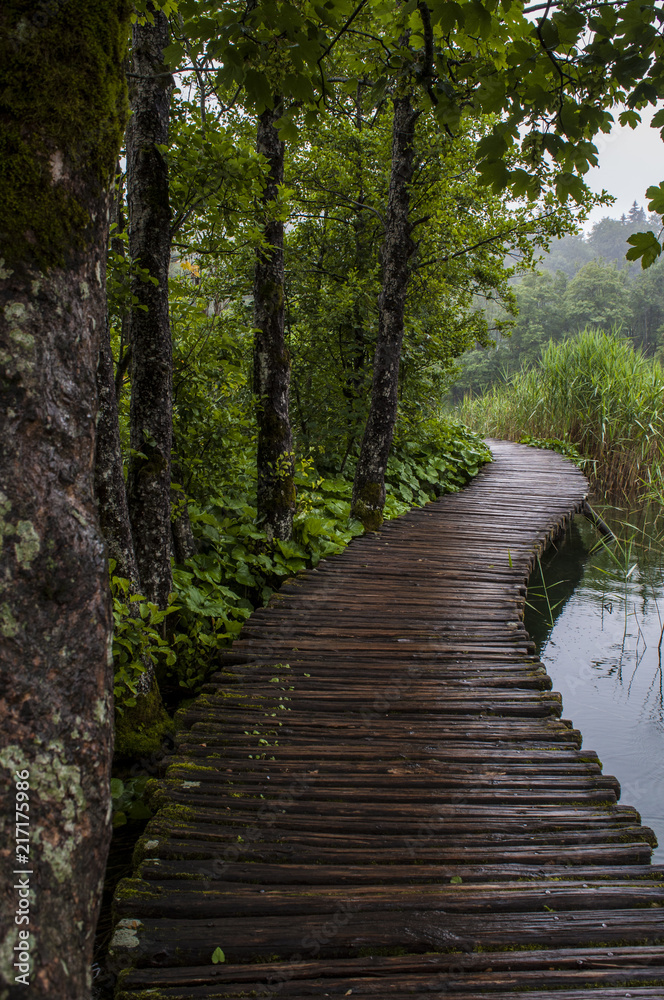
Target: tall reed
{"points": [[596, 391]]}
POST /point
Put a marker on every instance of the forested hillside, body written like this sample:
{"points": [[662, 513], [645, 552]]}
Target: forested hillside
{"points": [[583, 281]]}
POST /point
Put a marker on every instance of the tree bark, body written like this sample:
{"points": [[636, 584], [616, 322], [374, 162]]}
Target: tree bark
{"points": [[113, 514], [184, 543], [110, 491], [276, 485], [63, 113], [151, 410], [369, 486]]}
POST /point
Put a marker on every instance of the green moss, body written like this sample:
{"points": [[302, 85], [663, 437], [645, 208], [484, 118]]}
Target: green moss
{"points": [[368, 505], [64, 110], [133, 888], [174, 771], [154, 794], [383, 952], [175, 812], [145, 848], [140, 731]]}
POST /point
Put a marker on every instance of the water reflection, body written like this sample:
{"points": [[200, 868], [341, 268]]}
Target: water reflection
{"points": [[596, 613]]}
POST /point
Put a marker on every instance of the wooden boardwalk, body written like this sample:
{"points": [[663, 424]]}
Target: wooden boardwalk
{"points": [[377, 797]]}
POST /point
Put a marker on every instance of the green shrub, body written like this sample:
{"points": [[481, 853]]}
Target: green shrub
{"points": [[137, 640]]}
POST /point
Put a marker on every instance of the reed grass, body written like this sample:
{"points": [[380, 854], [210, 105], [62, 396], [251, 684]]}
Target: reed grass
{"points": [[596, 391]]}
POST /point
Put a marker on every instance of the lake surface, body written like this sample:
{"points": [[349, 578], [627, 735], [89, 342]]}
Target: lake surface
{"points": [[598, 618]]}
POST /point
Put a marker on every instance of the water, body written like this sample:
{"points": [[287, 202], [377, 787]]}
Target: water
{"points": [[598, 618]]}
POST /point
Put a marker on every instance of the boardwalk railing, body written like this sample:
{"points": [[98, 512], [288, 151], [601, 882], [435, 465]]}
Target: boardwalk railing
{"points": [[376, 795]]}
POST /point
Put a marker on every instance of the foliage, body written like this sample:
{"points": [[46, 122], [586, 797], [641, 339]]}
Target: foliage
{"points": [[464, 232], [213, 425], [646, 246], [433, 458], [559, 445], [128, 800], [136, 639], [594, 390]]}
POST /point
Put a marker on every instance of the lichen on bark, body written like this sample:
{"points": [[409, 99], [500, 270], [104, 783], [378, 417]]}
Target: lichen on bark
{"points": [[63, 108]]}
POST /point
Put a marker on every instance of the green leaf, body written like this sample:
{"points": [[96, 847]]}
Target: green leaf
{"points": [[218, 956], [645, 246], [446, 13], [258, 89], [656, 195], [287, 130], [631, 118], [117, 788], [456, 880]]}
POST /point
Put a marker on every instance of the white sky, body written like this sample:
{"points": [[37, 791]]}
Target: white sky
{"points": [[630, 160]]}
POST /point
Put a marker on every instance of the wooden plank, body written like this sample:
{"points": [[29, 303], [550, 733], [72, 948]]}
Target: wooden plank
{"points": [[350, 932]]}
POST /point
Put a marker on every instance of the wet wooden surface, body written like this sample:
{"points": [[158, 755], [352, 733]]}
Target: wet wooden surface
{"points": [[377, 796]]}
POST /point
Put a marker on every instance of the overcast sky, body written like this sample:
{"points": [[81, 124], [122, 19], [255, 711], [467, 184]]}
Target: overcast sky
{"points": [[629, 162]]}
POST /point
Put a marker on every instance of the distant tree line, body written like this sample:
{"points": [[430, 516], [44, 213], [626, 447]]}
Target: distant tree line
{"points": [[582, 282]]}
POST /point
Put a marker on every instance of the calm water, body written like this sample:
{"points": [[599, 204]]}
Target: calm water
{"points": [[598, 619]]}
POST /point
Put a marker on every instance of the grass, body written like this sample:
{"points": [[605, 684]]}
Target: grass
{"points": [[597, 392]]}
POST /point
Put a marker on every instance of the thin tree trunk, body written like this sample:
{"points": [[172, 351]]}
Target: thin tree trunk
{"points": [[184, 543], [56, 718], [151, 411], [369, 486], [276, 486], [113, 514], [110, 492]]}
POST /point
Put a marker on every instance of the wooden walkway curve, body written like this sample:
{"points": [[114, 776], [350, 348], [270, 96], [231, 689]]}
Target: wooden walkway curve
{"points": [[376, 796]]}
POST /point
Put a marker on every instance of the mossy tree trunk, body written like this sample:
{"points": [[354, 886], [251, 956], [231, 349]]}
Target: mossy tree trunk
{"points": [[63, 111], [151, 410], [369, 486], [276, 486]]}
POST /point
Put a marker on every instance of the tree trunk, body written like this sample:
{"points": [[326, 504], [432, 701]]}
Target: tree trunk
{"points": [[110, 491], [369, 485], [113, 514], [276, 486], [63, 112], [184, 543], [151, 411]]}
